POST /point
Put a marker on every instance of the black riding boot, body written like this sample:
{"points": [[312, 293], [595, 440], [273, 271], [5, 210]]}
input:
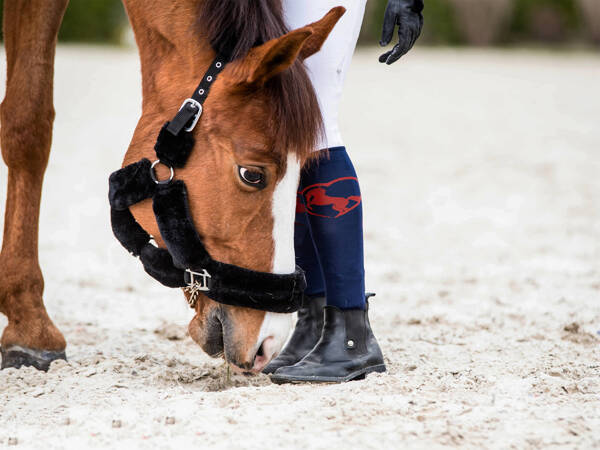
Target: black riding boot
{"points": [[346, 351], [305, 335]]}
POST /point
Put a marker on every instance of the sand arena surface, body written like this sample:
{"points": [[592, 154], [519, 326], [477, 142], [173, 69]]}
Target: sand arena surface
{"points": [[482, 203]]}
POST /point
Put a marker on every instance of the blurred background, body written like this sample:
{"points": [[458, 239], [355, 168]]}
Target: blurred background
{"points": [[564, 23]]}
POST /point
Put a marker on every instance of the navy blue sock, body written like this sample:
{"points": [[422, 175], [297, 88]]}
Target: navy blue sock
{"points": [[329, 234], [306, 254]]}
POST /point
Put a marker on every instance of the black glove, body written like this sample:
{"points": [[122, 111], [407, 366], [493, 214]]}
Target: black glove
{"points": [[407, 14]]}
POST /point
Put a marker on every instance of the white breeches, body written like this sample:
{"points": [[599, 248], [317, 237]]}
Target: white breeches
{"points": [[328, 67]]}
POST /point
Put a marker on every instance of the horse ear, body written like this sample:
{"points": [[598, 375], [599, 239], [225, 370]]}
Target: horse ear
{"points": [[269, 59], [273, 57], [321, 30]]}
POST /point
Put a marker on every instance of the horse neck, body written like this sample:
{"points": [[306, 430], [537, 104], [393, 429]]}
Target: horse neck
{"points": [[173, 54]]}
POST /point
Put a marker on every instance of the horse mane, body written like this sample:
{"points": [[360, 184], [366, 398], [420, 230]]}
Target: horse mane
{"points": [[233, 27]]}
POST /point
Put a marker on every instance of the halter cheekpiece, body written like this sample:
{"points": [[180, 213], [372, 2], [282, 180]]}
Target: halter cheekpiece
{"points": [[185, 262]]}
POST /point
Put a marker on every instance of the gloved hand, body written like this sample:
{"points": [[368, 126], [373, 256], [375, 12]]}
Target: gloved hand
{"points": [[407, 14]]}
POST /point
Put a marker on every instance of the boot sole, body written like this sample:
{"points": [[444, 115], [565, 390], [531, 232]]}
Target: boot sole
{"points": [[356, 375]]}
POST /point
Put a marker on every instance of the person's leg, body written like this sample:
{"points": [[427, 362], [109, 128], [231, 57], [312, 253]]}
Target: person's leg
{"points": [[330, 194], [330, 216], [342, 264], [328, 67], [347, 348], [306, 253]]}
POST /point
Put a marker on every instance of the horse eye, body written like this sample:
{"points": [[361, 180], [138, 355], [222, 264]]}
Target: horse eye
{"points": [[252, 176]]}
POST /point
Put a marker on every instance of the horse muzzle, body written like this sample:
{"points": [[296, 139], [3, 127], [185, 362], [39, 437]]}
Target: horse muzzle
{"points": [[218, 334]]}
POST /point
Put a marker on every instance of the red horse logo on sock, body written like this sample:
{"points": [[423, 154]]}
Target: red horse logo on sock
{"points": [[320, 199]]}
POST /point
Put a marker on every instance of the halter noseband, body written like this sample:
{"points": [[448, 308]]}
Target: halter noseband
{"points": [[186, 262]]}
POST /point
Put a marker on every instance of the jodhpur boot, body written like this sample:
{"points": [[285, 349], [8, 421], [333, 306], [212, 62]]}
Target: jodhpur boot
{"points": [[347, 350], [305, 335]]}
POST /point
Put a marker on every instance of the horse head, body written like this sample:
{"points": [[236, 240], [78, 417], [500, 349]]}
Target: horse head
{"points": [[259, 126]]}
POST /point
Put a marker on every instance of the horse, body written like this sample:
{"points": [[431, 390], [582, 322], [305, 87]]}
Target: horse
{"points": [[258, 128]]}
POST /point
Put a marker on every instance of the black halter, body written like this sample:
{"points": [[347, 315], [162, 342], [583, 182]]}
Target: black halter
{"points": [[185, 262]]}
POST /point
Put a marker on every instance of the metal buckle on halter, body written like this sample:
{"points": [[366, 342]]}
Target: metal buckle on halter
{"points": [[195, 286], [198, 106]]}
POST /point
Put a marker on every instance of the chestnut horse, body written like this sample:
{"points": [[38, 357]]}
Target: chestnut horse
{"points": [[260, 121]]}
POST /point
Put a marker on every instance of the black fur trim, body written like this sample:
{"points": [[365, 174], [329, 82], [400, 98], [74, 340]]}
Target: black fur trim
{"points": [[159, 265], [130, 185], [129, 233], [173, 150], [233, 285], [170, 204]]}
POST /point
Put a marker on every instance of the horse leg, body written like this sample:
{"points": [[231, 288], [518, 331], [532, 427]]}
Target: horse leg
{"points": [[27, 115]]}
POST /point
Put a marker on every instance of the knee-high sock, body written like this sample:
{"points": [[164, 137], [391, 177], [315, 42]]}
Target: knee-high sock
{"points": [[329, 234], [306, 254]]}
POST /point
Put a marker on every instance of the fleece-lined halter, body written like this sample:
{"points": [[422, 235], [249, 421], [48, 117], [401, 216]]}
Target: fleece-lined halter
{"points": [[186, 262]]}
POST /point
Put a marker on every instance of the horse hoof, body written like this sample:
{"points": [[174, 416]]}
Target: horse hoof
{"points": [[18, 357]]}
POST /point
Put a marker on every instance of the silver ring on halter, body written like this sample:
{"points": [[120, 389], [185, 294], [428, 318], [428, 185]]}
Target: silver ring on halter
{"points": [[153, 173]]}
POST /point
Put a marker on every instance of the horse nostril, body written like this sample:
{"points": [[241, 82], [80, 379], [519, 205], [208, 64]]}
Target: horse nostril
{"points": [[264, 354], [213, 339]]}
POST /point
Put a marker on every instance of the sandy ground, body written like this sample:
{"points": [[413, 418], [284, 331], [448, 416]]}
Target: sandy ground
{"points": [[480, 173]]}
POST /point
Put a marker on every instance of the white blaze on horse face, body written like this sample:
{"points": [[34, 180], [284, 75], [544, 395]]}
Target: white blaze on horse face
{"points": [[276, 327], [284, 211]]}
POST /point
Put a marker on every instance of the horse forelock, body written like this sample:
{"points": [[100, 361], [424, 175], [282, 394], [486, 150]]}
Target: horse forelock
{"points": [[233, 27]]}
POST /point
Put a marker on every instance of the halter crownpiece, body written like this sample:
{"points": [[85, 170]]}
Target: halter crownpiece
{"points": [[185, 262]]}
